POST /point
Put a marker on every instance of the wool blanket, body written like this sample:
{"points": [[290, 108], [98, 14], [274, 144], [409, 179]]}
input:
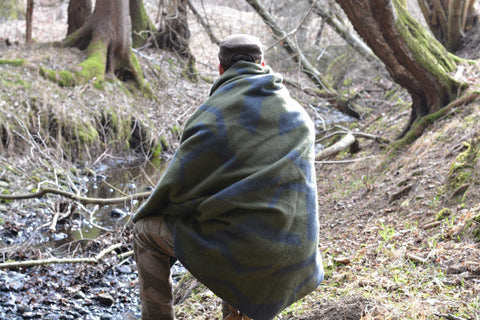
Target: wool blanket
{"points": [[240, 194]]}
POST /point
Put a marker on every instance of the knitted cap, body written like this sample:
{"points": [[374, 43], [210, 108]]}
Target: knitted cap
{"points": [[238, 47]]}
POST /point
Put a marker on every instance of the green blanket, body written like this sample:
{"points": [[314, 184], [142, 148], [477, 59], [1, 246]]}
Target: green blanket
{"points": [[240, 194]]}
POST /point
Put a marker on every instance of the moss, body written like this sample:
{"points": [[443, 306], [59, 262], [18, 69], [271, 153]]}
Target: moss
{"points": [[94, 66], [66, 79], [428, 51], [13, 62], [86, 133], [443, 213], [6, 200]]}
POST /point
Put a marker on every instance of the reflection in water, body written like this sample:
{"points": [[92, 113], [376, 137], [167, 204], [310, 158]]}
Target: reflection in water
{"points": [[108, 181]]}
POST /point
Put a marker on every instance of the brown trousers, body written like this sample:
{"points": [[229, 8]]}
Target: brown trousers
{"points": [[153, 247]]}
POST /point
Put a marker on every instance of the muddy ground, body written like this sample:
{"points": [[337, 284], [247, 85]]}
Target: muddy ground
{"points": [[387, 252]]}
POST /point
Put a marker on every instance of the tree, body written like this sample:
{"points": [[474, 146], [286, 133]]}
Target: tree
{"points": [[414, 59], [78, 13], [29, 21], [449, 20], [173, 32], [105, 36]]}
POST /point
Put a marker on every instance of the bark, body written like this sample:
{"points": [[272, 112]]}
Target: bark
{"points": [[142, 26], [106, 38], [290, 46], [29, 21], [173, 32], [78, 13], [449, 20], [414, 59]]}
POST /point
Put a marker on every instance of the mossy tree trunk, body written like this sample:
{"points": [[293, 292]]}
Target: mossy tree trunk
{"points": [[449, 20], [173, 32], [142, 27], [414, 59], [105, 36], [78, 13]]}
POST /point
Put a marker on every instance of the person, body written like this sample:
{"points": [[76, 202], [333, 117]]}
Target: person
{"points": [[238, 203]]}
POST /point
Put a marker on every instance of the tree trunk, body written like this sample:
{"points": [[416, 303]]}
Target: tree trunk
{"points": [[105, 36], [29, 21], [174, 32], [142, 26], [414, 59], [449, 20], [78, 13]]}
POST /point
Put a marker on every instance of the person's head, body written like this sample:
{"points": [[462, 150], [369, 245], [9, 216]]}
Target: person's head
{"points": [[239, 47]]}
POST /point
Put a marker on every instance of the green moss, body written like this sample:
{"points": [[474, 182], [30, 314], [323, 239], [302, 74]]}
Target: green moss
{"points": [[428, 51], [6, 200], [94, 66], [86, 133], [13, 62], [66, 79], [443, 213]]}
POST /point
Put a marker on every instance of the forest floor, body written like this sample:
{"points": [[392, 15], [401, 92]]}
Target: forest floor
{"points": [[398, 234]]}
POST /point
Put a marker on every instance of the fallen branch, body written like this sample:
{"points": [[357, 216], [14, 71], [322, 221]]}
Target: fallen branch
{"points": [[85, 200], [415, 258], [344, 143], [431, 225], [343, 161], [53, 260]]}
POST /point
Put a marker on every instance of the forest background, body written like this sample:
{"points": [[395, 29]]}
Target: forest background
{"points": [[397, 177]]}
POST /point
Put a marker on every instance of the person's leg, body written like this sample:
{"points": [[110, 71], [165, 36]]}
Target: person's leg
{"points": [[230, 313], [153, 247]]}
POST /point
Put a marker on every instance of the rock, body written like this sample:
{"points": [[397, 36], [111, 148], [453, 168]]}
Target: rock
{"points": [[105, 299], [79, 295], [23, 309], [124, 269]]}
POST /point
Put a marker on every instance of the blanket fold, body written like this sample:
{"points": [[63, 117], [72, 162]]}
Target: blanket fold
{"points": [[240, 194]]}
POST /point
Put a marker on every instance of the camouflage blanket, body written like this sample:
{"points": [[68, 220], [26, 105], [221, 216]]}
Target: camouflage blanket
{"points": [[240, 194]]}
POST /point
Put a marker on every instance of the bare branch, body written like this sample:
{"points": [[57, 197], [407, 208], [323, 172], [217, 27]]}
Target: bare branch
{"points": [[53, 260], [85, 200]]}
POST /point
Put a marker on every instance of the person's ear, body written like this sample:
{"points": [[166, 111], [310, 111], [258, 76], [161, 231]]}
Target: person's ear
{"points": [[220, 69], [263, 63]]}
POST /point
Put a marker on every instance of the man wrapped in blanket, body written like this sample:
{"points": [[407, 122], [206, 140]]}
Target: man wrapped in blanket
{"points": [[238, 203]]}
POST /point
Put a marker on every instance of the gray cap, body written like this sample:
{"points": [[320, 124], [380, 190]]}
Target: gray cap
{"points": [[238, 47]]}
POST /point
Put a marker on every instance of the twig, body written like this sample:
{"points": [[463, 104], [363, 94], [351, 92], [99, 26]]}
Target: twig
{"points": [[415, 258], [85, 200], [53, 260], [125, 255], [431, 225]]}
